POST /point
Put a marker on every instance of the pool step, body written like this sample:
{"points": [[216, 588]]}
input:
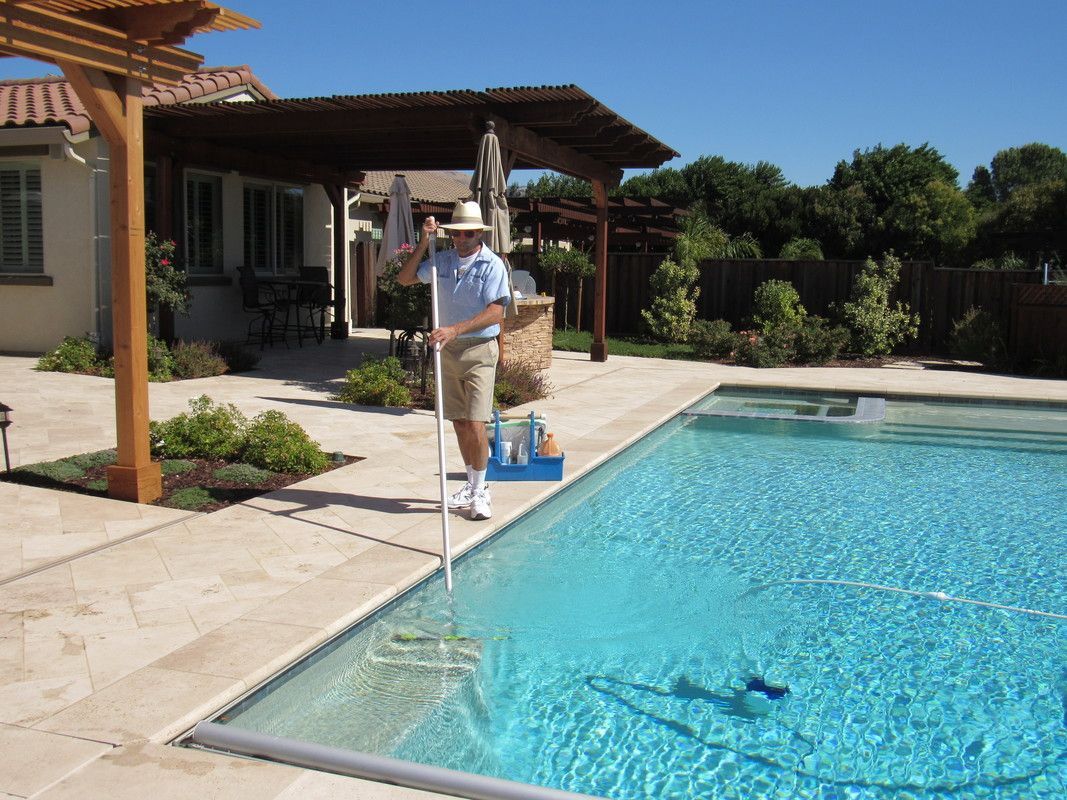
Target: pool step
{"points": [[1030, 441], [400, 681]]}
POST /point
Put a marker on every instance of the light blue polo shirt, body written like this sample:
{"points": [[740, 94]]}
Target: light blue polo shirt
{"points": [[461, 297]]}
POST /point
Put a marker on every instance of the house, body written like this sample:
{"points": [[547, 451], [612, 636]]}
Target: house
{"points": [[54, 202]]}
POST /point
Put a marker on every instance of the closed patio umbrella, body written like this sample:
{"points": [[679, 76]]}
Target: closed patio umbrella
{"points": [[489, 190], [399, 228]]}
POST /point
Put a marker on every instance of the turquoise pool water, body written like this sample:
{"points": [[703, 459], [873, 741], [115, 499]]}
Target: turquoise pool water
{"points": [[608, 643]]}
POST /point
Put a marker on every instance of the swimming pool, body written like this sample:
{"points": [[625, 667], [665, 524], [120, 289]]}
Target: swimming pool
{"points": [[630, 638]]}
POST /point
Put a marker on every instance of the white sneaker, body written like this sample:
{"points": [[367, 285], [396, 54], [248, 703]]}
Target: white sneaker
{"points": [[462, 498], [481, 504]]}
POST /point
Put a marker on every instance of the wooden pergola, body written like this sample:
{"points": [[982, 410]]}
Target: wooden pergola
{"points": [[561, 128], [110, 50]]}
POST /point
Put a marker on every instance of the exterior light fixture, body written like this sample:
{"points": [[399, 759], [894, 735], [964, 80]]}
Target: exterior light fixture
{"points": [[5, 420]]}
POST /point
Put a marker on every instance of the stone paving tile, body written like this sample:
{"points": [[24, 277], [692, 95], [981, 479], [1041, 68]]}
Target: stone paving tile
{"points": [[133, 772], [36, 760], [151, 703]]}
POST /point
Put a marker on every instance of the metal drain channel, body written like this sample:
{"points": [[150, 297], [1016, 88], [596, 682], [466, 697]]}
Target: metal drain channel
{"points": [[373, 767]]}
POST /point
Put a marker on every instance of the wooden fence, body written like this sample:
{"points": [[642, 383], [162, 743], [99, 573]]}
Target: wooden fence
{"points": [[1038, 329], [939, 296]]}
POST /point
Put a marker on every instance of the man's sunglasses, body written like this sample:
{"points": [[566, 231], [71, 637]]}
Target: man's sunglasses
{"points": [[463, 234]]}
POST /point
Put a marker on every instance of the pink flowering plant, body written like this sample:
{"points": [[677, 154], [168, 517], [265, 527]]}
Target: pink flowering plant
{"points": [[409, 306], [166, 282]]}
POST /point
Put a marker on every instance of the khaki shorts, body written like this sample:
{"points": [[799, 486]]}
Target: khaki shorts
{"points": [[468, 371]]}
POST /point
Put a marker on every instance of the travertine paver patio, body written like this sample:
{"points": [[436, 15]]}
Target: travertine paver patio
{"points": [[106, 656]]}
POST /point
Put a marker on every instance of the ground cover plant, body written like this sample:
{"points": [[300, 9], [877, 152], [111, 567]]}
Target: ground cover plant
{"points": [[224, 459], [386, 383], [182, 361]]}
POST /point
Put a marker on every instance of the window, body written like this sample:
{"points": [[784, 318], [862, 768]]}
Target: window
{"points": [[21, 234], [203, 224], [274, 227]]}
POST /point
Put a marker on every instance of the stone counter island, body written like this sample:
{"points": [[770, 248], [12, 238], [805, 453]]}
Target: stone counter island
{"points": [[528, 335]]}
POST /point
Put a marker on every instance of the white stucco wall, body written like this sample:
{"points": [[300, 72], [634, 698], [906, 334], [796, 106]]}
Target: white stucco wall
{"points": [[34, 319], [216, 312]]}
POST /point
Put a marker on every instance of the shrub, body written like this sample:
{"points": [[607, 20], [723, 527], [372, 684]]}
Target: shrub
{"points": [[160, 361], [1007, 261], [238, 358], [877, 327], [166, 283], [518, 383], [766, 349], [409, 306], [277, 443], [73, 354], [673, 302], [209, 431], [176, 466], [977, 336], [802, 249], [776, 303], [197, 360], [712, 339], [242, 473], [816, 343], [100, 458], [376, 383]]}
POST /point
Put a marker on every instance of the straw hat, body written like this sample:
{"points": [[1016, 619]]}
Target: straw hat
{"points": [[466, 216]]}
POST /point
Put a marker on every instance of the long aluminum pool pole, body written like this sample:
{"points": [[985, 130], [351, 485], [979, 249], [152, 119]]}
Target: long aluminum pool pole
{"points": [[439, 413]]}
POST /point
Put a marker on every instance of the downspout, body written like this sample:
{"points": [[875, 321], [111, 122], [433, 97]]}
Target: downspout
{"points": [[96, 296]]}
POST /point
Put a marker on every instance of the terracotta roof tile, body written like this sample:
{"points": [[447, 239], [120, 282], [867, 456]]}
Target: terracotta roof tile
{"points": [[426, 186], [52, 101]]}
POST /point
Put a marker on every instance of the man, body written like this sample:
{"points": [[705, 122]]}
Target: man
{"points": [[472, 290]]}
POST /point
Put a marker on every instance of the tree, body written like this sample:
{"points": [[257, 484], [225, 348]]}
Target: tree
{"points": [[1030, 164], [907, 190], [552, 184], [936, 221], [980, 190], [665, 184]]}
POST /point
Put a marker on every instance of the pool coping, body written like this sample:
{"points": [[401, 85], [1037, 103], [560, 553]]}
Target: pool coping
{"points": [[190, 681]]}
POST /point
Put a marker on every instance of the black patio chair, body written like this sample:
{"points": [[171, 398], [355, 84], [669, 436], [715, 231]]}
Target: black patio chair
{"points": [[313, 301], [261, 301]]}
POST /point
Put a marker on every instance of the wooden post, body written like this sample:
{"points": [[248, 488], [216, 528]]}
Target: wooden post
{"points": [[599, 349], [114, 102], [339, 326]]}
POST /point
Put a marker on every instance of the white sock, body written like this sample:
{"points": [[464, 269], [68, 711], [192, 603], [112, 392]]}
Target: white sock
{"points": [[478, 478], [470, 474]]}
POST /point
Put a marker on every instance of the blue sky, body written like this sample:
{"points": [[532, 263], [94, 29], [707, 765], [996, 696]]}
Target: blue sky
{"points": [[799, 84]]}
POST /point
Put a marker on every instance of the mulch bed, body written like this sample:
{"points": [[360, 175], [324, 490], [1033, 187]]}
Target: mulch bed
{"points": [[223, 493]]}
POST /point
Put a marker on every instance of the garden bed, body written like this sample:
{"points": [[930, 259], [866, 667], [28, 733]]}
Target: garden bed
{"points": [[194, 484]]}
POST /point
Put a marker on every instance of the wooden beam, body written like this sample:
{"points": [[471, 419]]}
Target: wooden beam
{"points": [[98, 94], [599, 348], [239, 120], [171, 23], [54, 37], [249, 162], [554, 156]]}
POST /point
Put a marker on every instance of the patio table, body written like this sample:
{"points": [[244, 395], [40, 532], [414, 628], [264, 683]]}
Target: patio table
{"points": [[300, 293]]}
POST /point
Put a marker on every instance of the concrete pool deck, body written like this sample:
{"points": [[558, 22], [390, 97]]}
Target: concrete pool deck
{"points": [[121, 625]]}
